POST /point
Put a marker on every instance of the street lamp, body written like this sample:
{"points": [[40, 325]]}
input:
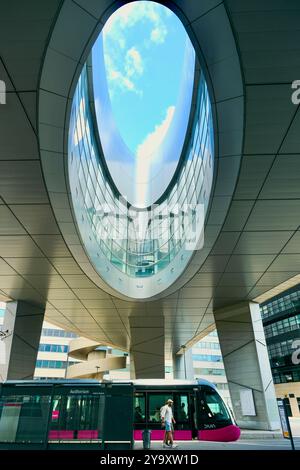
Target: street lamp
{"points": [[184, 348]]}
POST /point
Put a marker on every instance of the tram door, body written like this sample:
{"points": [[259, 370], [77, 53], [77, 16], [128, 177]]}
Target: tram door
{"points": [[193, 412]]}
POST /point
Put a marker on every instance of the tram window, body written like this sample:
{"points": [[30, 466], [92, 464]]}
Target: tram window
{"points": [[24, 418], [156, 401], [212, 406], [77, 416], [181, 409], [139, 408]]}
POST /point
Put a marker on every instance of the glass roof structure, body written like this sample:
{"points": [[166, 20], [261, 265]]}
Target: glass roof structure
{"points": [[140, 249], [131, 96]]}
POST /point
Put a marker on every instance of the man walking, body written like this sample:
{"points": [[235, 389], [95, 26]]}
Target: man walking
{"points": [[167, 420]]}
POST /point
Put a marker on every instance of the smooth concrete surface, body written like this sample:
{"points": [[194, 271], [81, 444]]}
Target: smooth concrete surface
{"points": [[147, 350], [95, 362], [247, 366], [183, 365], [23, 323], [96, 366]]}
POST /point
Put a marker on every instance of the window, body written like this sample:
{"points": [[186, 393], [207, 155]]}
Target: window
{"points": [[205, 371], [60, 348], [139, 415], [156, 401], [207, 357], [181, 408], [213, 333], [24, 418], [207, 345], [42, 363], [77, 416], [287, 303], [212, 408], [58, 333]]}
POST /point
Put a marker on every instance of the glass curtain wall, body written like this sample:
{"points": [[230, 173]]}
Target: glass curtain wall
{"points": [[139, 243]]}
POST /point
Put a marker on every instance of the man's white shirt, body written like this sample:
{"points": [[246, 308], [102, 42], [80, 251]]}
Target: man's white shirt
{"points": [[166, 412]]}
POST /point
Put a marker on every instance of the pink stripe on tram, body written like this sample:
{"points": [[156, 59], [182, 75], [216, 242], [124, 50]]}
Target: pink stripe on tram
{"points": [[61, 434], [158, 435], [183, 435], [227, 434], [87, 434], [137, 435]]}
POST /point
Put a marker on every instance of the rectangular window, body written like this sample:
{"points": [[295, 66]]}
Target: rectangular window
{"points": [[24, 418], [78, 416], [139, 414], [181, 408], [156, 401]]}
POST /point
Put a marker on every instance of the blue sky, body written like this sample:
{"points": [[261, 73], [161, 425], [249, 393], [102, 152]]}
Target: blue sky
{"points": [[144, 45]]}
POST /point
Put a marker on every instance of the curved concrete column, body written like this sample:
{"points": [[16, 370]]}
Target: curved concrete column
{"points": [[247, 366], [183, 365], [19, 347]]}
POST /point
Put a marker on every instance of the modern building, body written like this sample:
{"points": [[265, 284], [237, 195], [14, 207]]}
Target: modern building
{"points": [[70, 195], [208, 364], [52, 359], [281, 320]]}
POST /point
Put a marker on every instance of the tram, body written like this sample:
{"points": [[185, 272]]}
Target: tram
{"points": [[56, 414]]}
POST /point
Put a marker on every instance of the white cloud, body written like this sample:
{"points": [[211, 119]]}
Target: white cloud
{"points": [[133, 62], [146, 153], [154, 139], [123, 80], [130, 14], [124, 68], [158, 35]]}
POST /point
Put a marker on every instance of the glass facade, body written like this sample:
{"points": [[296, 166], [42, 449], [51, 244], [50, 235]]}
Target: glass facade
{"points": [[207, 345], [50, 364], [109, 228], [207, 357], [282, 326], [142, 176], [281, 320], [207, 371], [58, 348], [58, 333], [287, 303]]}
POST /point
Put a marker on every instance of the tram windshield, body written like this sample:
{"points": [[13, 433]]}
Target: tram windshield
{"points": [[212, 408]]}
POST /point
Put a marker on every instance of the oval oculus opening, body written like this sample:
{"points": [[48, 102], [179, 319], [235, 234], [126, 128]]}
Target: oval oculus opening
{"points": [[143, 78]]}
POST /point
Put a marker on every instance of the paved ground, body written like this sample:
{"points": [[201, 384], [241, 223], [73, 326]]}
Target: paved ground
{"points": [[251, 444], [251, 440]]}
